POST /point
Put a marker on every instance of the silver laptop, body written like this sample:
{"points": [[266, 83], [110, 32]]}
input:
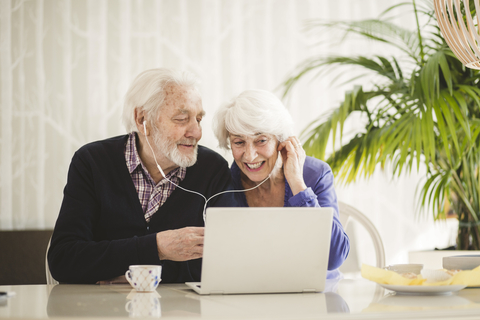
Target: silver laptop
{"points": [[265, 250]]}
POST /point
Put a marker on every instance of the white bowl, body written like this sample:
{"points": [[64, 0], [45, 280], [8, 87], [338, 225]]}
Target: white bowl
{"points": [[463, 262]]}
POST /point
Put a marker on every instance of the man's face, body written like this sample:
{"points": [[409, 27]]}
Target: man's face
{"points": [[177, 129]]}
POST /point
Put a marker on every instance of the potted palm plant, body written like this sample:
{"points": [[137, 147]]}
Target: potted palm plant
{"points": [[420, 110]]}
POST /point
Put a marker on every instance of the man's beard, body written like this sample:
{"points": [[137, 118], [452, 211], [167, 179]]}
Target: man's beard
{"points": [[170, 149]]}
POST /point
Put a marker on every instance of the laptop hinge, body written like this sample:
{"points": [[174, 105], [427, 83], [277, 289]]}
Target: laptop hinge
{"points": [[216, 292], [309, 290]]}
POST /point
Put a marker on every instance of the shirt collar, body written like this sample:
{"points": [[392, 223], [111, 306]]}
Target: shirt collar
{"points": [[131, 153], [133, 160]]}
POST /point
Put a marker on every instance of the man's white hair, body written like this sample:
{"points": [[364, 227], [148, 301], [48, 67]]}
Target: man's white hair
{"points": [[147, 92], [252, 112]]}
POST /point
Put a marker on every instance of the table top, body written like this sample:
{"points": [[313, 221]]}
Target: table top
{"points": [[346, 299]]}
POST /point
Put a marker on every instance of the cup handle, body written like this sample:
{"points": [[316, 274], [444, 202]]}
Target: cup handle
{"points": [[128, 277], [128, 305]]}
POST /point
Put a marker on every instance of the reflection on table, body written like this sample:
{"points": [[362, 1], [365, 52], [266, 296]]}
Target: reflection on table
{"points": [[347, 299], [82, 301], [400, 302], [143, 305]]}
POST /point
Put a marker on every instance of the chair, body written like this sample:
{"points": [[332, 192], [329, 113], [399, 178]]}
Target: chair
{"points": [[50, 279], [347, 213], [22, 256]]}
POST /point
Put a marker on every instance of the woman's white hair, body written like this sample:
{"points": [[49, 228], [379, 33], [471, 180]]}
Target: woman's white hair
{"points": [[252, 112], [147, 92]]}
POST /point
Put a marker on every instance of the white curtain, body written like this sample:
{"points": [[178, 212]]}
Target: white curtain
{"points": [[65, 66]]}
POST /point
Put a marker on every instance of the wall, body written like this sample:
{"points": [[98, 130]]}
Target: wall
{"points": [[65, 66]]}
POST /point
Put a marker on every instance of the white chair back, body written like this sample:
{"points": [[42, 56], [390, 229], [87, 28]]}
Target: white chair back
{"points": [[347, 213]]}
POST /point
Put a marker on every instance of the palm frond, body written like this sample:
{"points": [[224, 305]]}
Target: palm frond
{"points": [[433, 193], [428, 116], [377, 30], [316, 135], [379, 65], [430, 76]]}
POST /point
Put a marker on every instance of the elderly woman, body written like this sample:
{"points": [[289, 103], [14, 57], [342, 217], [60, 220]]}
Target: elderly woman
{"points": [[259, 131]]}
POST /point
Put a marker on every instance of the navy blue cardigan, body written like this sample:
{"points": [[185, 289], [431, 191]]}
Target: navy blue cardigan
{"points": [[101, 228]]}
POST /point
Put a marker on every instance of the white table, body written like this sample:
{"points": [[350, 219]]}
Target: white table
{"points": [[348, 299]]}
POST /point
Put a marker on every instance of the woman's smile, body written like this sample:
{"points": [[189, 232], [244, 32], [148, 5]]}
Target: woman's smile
{"points": [[253, 167]]}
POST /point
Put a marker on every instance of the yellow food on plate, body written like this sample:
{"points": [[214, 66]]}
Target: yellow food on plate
{"points": [[471, 278], [383, 276]]}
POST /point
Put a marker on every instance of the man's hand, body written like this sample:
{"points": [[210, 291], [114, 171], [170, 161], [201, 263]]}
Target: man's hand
{"points": [[180, 244]]}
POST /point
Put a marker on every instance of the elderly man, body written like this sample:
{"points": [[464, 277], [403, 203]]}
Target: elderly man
{"points": [[120, 209]]}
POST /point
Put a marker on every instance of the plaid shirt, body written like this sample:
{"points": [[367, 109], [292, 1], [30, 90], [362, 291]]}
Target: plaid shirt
{"points": [[151, 196]]}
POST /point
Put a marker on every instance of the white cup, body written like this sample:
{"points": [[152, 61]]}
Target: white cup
{"points": [[144, 278], [144, 305]]}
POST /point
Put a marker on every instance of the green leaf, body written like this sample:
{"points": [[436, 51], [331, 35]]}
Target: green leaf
{"points": [[447, 115], [422, 108], [441, 127]]}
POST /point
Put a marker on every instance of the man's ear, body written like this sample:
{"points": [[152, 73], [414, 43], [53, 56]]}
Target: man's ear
{"points": [[141, 121]]}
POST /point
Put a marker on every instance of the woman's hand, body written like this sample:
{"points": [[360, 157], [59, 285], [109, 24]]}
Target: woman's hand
{"points": [[293, 157]]}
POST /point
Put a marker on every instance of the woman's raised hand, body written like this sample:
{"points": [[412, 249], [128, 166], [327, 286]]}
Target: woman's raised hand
{"points": [[293, 157]]}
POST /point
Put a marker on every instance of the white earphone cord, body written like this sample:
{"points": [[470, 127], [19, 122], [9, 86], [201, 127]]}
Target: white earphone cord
{"points": [[195, 192]]}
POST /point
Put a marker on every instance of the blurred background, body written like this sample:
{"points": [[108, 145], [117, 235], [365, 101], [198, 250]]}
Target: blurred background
{"points": [[65, 66]]}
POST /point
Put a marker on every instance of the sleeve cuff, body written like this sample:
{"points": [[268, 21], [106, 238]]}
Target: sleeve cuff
{"points": [[305, 198], [147, 249]]}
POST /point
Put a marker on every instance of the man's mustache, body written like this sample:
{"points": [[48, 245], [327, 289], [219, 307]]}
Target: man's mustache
{"points": [[192, 142]]}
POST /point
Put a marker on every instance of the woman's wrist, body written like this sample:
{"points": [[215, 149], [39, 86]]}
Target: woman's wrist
{"points": [[297, 187]]}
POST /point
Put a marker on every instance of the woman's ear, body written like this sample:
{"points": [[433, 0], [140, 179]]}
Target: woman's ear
{"points": [[279, 161]]}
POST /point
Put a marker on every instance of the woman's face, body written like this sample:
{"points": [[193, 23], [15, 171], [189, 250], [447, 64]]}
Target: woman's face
{"points": [[255, 156]]}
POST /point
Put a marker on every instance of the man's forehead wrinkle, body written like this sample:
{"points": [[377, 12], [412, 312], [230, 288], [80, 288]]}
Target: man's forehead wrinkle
{"points": [[175, 88], [171, 87], [182, 99], [187, 111]]}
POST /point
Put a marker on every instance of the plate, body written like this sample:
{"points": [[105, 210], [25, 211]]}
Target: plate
{"points": [[424, 289]]}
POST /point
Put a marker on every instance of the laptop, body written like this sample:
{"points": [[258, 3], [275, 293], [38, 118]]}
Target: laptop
{"points": [[265, 250]]}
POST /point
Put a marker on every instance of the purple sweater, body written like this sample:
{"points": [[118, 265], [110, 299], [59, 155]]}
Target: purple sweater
{"points": [[320, 192]]}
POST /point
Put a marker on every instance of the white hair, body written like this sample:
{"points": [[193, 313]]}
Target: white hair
{"points": [[147, 92], [252, 112]]}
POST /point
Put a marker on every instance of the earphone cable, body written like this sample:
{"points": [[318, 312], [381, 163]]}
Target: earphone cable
{"points": [[195, 192]]}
